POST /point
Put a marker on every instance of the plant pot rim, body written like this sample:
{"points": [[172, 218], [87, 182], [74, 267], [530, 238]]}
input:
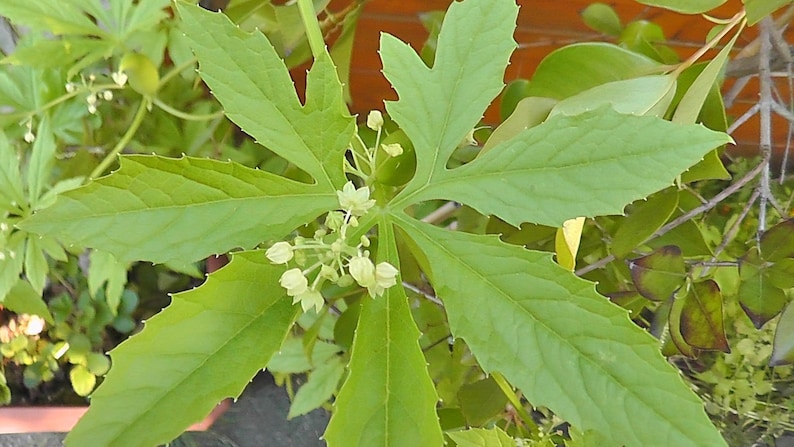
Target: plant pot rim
{"points": [[35, 419]]}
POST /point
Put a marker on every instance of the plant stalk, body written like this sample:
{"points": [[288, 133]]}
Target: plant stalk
{"points": [[125, 139], [313, 33]]}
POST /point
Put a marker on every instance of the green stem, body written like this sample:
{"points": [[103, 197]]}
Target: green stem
{"points": [[184, 115], [313, 33], [515, 401], [175, 71], [125, 139]]}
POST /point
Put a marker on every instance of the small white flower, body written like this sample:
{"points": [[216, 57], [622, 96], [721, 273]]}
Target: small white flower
{"points": [[393, 149], [294, 281], [385, 277], [308, 299], [107, 95], [29, 136], [279, 253], [356, 201], [70, 87], [91, 99], [362, 270], [35, 325], [364, 241], [119, 77], [375, 120]]}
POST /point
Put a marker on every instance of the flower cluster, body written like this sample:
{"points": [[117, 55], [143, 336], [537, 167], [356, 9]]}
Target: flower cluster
{"points": [[329, 257]]}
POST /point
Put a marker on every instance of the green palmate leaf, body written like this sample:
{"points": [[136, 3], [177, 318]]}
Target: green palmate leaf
{"points": [[783, 348], [646, 95], [148, 398], [388, 398], [685, 6], [701, 317], [645, 218], [53, 16], [156, 208], [480, 437], [559, 342], [579, 67], [555, 171], [254, 86], [758, 9], [439, 106], [321, 385], [658, 275]]}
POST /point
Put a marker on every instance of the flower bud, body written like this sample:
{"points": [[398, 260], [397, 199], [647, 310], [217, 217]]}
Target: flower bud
{"points": [[279, 253], [375, 120], [393, 149], [294, 281]]}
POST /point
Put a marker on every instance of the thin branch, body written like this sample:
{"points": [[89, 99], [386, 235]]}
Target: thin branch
{"points": [[743, 119], [736, 89], [443, 212], [766, 104], [722, 195], [733, 230], [430, 297]]}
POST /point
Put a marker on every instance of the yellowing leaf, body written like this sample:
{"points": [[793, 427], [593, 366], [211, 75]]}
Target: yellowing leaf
{"points": [[567, 242]]}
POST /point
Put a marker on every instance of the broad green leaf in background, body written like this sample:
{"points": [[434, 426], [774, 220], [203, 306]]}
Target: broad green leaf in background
{"points": [[555, 171], [783, 348], [658, 275], [685, 6], [676, 344], [23, 299], [515, 308], [759, 298], [292, 359], [148, 398], [41, 160], [11, 190], [777, 243], [53, 16], [36, 267], [156, 208], [758, 9], [702, 323], [645, 218], [318, 389], [481, 401], [105, 269], [575, 68], [481, 437], [253, 84], [439, 106], [388, 398], [692, 102], [602, 18], [11, 261], [529, 112], [645, 95]]}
